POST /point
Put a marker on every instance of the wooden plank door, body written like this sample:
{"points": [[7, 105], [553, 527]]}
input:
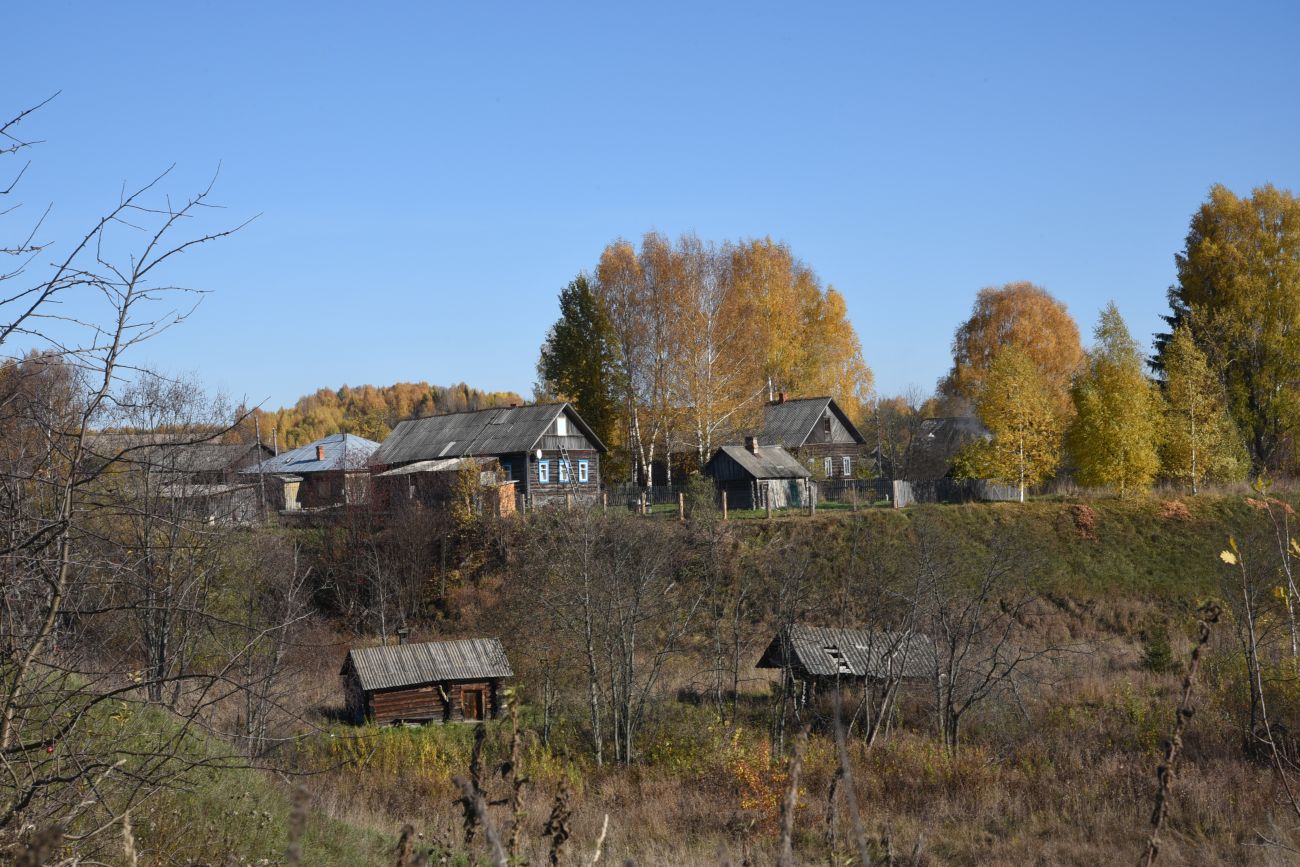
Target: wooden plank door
{"points": [[472, 702]]}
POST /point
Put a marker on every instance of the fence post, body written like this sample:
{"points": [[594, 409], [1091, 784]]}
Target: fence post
{"points": [[855, 496], [681, 506], [604, 501], [724, 505], [767, 500], [812, 500]]}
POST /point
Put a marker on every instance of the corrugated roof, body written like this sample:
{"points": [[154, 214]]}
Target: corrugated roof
{"points": [[770, 462], [827, 652], [497, 431], [390, 666], [790, 422], [936, 444], [342, 452]]}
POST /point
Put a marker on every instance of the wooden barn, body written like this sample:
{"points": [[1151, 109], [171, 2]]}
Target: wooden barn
{"points": [[427, 681], [819, 434], [547, 449], [754, 476], [330, 472], [816, 654]]}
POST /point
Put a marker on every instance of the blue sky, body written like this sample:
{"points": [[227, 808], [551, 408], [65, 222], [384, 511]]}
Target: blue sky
{"points": [[429, 175]]}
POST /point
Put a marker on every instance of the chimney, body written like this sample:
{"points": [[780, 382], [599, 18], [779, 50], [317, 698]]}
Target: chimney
{"points": [[781, 397], [320, 453], [402, 634], [751, 445]]}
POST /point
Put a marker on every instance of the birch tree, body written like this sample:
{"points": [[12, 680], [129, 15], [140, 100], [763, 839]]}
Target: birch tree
{"points": [[1200, 442]]}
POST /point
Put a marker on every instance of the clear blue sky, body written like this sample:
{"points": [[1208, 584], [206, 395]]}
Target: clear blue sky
{"points": [[429, 175]]}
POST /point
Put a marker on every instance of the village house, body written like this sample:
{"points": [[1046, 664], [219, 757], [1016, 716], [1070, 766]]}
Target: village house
{"points": [[200, 478], [427, 681], [818, 433], [547, 450], [330, 472], [755, 476]]}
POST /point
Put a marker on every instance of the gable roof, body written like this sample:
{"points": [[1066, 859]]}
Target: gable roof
{"points": [[936, 444], [496, 431], [770, 462], [790, 422], [390, 666], [172, 452], [827, 652], [342, 452]]}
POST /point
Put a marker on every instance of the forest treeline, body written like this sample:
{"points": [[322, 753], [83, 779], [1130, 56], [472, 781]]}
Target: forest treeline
{"points": [[366, 410]]}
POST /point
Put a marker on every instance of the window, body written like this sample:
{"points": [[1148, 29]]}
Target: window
{"points": [[828, 466], [564, 472], [543, 472], [826, 425], [847, 465], [508, 471], [562, 426], [583, 476]]}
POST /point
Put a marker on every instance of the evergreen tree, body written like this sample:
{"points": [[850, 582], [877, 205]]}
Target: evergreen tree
{"points": [[1200, 441], [579, 358], [1115, 434]]}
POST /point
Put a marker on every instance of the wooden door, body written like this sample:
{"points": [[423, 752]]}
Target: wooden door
{"points": [[472, 702]]}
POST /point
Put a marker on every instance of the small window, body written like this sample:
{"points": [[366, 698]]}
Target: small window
{"points": [[828, 466], [826, 425], [847, 465], [562, 426], [543, 472], [564, 472], [583, 476], [508, 471]]}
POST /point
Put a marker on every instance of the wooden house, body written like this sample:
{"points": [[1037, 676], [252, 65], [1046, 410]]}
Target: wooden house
{"points": [[546, 449], [755, 476], [427, 681], [198, 478], [934, 448], [436, 484], [818, 433], [332, 471], [815, 654]]}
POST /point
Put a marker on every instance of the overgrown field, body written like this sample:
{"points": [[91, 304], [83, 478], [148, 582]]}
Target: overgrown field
{"points": [[1056, 766]]}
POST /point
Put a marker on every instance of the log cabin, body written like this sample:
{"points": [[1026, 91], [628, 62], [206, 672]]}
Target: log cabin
{"points": [[427, 681], [819, 434]]}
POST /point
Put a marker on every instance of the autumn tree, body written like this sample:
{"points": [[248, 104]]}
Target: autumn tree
{"points": [[1019, 407], [579, 360], [1021, 315], [1200, 442], [1114, 437], [1238, 293]]}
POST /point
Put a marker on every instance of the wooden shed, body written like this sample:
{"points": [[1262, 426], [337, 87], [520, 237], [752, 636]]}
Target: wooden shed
{"points": [[755, 476], [818, 653], [427, 681]]}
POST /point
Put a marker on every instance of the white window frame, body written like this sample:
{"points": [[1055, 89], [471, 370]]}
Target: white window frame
{"points": [[544, 472], [584, 474], [564, 471], [846, 464], [562, 426], [828, 466]]}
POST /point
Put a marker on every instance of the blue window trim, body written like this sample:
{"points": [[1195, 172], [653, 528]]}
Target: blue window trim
{"points": [[543, 472], [564, 471], [583, 473]]}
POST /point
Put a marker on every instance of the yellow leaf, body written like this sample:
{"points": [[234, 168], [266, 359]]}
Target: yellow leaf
{"points": [[1228, 557]]}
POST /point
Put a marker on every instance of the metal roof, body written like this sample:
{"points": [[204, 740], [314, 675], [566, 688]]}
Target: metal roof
{"points": [[770, 462], [342, 452], [389, 666], [827, 652], [497, 431], [936, 444], [790, 422]]}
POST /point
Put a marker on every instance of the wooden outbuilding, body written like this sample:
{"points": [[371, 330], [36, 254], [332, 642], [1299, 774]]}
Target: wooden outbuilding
{"points": [[813, 654], [427, 681], [327, 473], [755, 476]]}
